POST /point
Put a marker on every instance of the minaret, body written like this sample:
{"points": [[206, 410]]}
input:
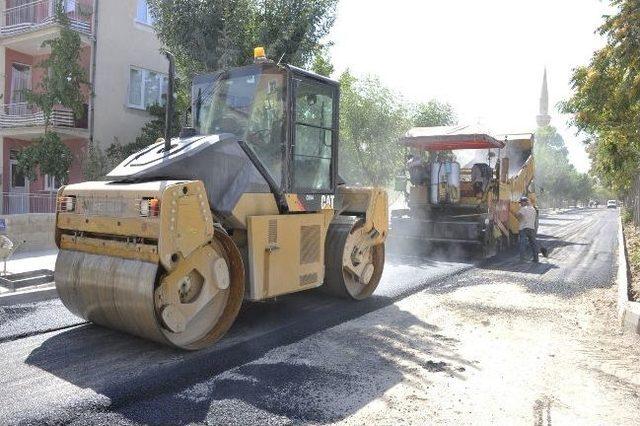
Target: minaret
{"points": [[543, 118]]}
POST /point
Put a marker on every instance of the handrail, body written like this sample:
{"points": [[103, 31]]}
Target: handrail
{"points": [[29, 16], [21, 114], [20, 6], [43, 201]]}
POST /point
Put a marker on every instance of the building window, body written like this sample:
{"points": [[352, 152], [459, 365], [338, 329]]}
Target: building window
{"points": [[314, 134], [143, 14], [146, 88], [70, 6], [20, 82], [51, 183]]}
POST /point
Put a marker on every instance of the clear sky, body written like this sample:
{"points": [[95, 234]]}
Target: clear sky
{"points": [[485, 57]]}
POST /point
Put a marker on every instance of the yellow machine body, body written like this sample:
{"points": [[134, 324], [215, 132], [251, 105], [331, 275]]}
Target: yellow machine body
{"points": [[236, 208], [146, 258]]}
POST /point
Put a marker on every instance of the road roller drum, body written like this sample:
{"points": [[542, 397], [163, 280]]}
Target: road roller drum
{"points": [[191, 307]]}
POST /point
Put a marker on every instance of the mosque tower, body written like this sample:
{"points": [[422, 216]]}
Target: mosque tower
{"points": [[543, 118]]}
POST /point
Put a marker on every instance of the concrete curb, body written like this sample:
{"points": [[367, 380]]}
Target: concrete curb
{"points": [[31, 296], [628, 311]]}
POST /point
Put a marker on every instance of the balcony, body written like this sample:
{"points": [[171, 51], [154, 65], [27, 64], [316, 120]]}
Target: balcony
{"points": [[25, 27], [21, 121]]}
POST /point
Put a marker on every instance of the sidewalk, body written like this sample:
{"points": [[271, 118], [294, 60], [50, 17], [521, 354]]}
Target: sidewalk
{"points": [[30, 261]]}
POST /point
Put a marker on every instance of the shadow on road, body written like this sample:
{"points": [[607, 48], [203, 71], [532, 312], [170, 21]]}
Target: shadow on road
{"points": [[142, 379], [316, 381]]}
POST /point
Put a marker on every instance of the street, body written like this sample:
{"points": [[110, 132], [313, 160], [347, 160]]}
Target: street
{"points": [[441, 341]]}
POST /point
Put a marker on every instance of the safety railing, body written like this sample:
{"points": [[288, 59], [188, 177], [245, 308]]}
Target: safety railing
{"points": [[41, 13], [24, 202], [23, 115]]}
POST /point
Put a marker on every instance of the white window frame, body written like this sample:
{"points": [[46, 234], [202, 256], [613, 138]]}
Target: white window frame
{"points": [[143, 7], [144, 72], [47, 183]]}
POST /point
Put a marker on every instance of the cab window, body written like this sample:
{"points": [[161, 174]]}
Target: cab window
{"points": [[248, 102], [265, 128], [314, 136]]}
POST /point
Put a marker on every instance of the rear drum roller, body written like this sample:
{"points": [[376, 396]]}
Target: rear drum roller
{"points": [[353, 267], [190, 307]]}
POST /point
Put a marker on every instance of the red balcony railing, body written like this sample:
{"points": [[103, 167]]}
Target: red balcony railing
{"points": [[24, 202], [41, 13]]}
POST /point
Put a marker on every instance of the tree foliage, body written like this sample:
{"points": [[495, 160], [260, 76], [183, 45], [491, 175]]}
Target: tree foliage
{"points": [[557, 179], [372, 118], [49, 154], [322, 63], [62, 84], [434, 113], [606, 98], [209, 35]]}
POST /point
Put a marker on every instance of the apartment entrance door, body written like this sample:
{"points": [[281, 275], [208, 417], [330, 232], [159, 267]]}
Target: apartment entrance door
{"points": [[18, 197]]}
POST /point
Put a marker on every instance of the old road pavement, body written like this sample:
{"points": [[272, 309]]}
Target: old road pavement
{"points": [[441, 341]]}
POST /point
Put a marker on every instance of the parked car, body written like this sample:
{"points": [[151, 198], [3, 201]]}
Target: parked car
{"points": [[612, 204]]}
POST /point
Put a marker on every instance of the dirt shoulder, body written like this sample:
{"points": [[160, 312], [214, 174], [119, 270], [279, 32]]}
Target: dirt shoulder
{"points": [[632, 236]]}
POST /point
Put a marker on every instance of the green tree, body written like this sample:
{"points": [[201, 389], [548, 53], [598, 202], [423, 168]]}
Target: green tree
{"points": [[62, 84], [605, 102], [322, 63], [557, 179], [372, 119], [434, 113], [209, 35]]}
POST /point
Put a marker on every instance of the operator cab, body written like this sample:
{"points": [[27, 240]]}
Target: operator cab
{"points": [[286, 116]]}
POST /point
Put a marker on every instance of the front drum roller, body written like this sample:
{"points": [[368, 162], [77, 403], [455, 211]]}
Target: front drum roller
{"points": [[353, 266], [190, 307]]}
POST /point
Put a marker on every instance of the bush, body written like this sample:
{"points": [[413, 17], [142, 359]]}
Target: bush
{"points": [[627, 215]]}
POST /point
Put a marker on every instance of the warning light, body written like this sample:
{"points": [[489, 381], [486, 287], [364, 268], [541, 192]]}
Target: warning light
{"points": [[258, 53]]}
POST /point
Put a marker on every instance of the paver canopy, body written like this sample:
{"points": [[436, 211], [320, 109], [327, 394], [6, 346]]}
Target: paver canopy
{"points": [[449, 138]]}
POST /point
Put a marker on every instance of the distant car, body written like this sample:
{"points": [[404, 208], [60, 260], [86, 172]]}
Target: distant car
{"points": [[612, 204]]}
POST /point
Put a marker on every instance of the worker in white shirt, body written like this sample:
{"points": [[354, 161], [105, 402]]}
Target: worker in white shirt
{"points": [[527, 217]]}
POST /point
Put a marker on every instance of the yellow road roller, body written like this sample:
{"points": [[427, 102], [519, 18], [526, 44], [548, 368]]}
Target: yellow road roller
{"points": [[247, 204]]}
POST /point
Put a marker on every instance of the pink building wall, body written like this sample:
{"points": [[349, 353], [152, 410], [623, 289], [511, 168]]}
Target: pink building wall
{"points": [[37, 73], [77, 146]]}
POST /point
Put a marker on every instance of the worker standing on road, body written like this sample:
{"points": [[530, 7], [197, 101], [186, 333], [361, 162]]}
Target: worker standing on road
{"points": [[527, 217]]}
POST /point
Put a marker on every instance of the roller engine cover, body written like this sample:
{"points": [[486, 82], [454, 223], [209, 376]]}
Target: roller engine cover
{"points": [[217, 160]]}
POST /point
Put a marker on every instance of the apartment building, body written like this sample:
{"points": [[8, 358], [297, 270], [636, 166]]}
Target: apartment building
{"points": [[121, 55]]}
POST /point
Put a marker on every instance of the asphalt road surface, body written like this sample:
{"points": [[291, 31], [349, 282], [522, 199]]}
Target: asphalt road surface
{"points": [[54, 368]]}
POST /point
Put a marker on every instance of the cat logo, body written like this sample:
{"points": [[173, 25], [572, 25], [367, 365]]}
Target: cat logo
{"points": [[326, 202]]}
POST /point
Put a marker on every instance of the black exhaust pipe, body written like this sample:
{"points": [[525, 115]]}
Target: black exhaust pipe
{"points": [[169, 107]]}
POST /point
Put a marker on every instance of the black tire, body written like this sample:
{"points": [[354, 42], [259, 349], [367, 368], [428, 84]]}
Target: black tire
{"points": [[339, 282]]}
